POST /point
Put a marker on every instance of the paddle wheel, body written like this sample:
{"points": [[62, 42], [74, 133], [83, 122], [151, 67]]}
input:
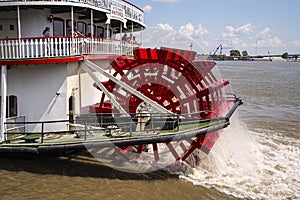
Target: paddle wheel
{"points": [[167, 82]]}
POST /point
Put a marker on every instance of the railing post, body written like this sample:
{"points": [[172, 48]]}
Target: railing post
{"points": [[130, 129], [178, 123], [42, 139], [85, 130]]}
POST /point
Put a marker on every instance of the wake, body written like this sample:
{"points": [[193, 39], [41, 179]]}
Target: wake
{"points": [[258, 164]]}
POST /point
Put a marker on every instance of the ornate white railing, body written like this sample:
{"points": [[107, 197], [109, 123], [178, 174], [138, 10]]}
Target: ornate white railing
{"points": [[44, 47]]}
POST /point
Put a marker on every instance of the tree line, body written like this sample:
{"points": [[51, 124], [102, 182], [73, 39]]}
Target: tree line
{"points": [[236, 53]]}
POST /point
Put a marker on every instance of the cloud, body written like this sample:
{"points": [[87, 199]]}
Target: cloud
{"points": [[164, 27], [190, 31], [234, 32], [266, 30], [265, 38], [245, 29], [147, 8], [265, 33], [239, 37], [230, 32], [187, 30], [199, 31], [164, 35], [270, 42]]}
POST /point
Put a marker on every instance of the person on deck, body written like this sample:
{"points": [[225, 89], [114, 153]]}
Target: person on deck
{"points": [[46, 32]]}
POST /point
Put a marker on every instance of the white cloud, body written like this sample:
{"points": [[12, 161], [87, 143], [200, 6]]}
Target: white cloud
{"points": [[164, 35], [199, 31], [164, 26], [270, 42], [266, 30], [234, 32], [265, 38], [265, 33], [245, 29], [147, 8], [230, 32], [187, 30]]}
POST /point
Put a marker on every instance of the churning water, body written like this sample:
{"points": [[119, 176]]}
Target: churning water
{"points": [[258, 156]]}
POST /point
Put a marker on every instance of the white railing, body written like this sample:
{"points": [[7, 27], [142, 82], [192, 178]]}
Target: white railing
{"points": [[42, 47], [131, 11]]}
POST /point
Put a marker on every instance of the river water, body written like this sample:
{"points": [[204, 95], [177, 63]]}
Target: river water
{"points": [[256, 157]]}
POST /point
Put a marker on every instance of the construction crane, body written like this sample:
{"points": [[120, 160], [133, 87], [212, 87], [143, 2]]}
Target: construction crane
{"points": [[220, 56]]}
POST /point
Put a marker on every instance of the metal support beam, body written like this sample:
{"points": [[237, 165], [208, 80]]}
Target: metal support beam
{"points": [[105, 91], [128, 88], [3, 101]]}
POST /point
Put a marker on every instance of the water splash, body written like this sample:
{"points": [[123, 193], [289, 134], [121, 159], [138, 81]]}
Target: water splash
{"points": [[256, 164]]}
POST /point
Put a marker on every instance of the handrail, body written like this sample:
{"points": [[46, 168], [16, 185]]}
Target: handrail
{"points": [[174, 123], [47, 47]]}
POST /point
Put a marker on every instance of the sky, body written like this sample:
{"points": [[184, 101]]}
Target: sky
{"points": [[260, 27]]}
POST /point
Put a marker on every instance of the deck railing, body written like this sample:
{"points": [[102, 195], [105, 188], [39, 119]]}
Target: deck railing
{"points": [[45, 47], [85, 126]]}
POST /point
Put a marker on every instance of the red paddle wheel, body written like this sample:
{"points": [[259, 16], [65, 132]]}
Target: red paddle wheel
{"points": [[175, 80]]}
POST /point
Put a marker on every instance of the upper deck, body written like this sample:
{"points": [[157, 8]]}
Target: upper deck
{"points": [[131, 11], [101, 24]]}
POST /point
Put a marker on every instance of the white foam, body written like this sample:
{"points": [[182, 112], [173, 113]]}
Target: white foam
{"points": [[255, 165]]}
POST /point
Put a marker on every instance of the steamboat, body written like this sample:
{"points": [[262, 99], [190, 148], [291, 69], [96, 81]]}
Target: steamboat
{"points": [[74, 78]]}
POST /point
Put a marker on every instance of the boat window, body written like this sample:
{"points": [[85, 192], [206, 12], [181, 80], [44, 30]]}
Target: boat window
{"points": [[69, 26], [58, 27], [81, 26], [107, 33], [12, 106], [11, 27], [100, 31], [89, 33]]}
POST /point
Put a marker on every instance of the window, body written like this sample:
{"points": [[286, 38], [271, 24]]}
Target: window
{"points": [[11, 106], [69, 26], [81, 27], [89, 33], [100, 31], [1, 27], [11, 27], [107, 33], [58, 27]]}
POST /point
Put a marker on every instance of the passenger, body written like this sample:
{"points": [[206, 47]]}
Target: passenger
{"points": [[76, 33], [124, 38], [133, 40], [46, 32], [129, 39]]}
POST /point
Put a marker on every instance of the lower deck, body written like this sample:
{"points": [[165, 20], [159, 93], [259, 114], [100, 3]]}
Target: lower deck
{"points": [[85, 136]]}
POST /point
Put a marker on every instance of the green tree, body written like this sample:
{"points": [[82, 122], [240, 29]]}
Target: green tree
{"points": [[245, 53], [235, 53], [285, 55]]}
